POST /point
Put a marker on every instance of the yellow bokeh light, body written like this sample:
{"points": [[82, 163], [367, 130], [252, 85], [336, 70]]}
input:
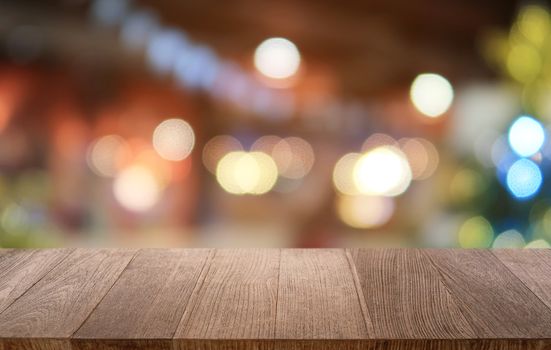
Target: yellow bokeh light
{"points": [[534, 24], [136, 188], [538, 244], [106, 155], [382, 171], [216, 148], [431, 94], [174, 139], [365, 211], [523, 63], [277, 58], [343, 174], [476, 232], [246, 173], [466, 185]]}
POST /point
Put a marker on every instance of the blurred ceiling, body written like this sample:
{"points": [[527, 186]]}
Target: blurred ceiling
{"points": [[367, 46]]}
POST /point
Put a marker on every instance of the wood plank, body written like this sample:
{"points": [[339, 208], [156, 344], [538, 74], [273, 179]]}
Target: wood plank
{"points": [[20, 269], [318, 298], [494, 301], [147, 301], [236, 300], [405, 296], [532, 267], [54, 308]]}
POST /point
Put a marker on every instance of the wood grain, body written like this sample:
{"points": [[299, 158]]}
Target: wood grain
{"points": [[317, 297], [20, 269], [147, 302], [405, 296], [59, 303], [270, 299], [494, 301], [235, 300], [532, 267]]}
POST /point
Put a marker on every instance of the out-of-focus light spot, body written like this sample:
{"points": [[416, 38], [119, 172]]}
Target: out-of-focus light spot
{"points": [[137, 29], [197, 68], [216, 148], [15, 219], [378, 140], [365, 211], [163, 49], [422, 157], [466, 185], [523, 63], [509, 239], [277, 58], [526, 136], [382, 171], [294, 157], [534, 23], [524, 179], [343, 174], [173, 139], [431, 94], [476, 232], [266, 144], [107, 154], [538, 244], [136, 188], [246, 173], [109, 12]]}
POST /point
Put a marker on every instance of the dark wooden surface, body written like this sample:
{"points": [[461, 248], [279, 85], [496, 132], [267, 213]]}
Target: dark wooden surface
{"points": [[275, 299]]}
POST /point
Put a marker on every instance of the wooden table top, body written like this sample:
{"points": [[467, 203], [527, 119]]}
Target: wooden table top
{"points": [[275, 299]]}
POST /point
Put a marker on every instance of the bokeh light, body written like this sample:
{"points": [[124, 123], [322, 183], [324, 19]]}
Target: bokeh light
{"points": [[534, 23], [422, 157], [431, 94], [365, 211], [382, 171], [476, 232], [466, 184], [377, 140], [509, 239], [164, 49], [173, 139], [246, 173], [107, 154], [218, 147], [294, 157], [526, 136], [343, 174], [524, 179], [538, 244], [277, 58], [136, 188]]}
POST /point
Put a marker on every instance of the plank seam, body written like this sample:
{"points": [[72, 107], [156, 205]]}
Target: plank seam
{"points": [[521, 281], [359, 292], [198, 285], [452, 295], [277, 292], [103, 297], [72, 250]]}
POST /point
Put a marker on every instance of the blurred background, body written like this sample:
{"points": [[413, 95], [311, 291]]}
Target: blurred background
{"points": [[275, 123]]}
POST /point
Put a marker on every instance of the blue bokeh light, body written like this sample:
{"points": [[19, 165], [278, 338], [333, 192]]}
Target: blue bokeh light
{"points": [[524, 179], [526, 136]]}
